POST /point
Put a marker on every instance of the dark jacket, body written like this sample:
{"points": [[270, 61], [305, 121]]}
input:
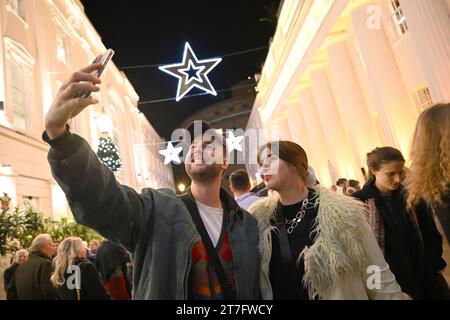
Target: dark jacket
{"points": [[412, 246], [110, 256], [112, 263], [9, 273], [442, 211], [91, 287], [31, 281], [154, 226]]}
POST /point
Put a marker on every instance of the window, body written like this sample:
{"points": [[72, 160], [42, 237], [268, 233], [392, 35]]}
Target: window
{"points": [[62, 48], [18, 7], [398, 18], [18, 93], [31, 202], [423, 99]]}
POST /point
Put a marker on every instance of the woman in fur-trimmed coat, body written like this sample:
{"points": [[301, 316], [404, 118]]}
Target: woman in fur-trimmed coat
{"points": [[315, 244]]}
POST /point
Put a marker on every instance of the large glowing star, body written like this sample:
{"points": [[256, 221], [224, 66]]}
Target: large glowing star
{"points": [[192, 73], [171, 154]]}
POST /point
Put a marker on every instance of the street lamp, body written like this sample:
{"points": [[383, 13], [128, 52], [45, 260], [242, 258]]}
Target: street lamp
{"points": [[181, 187]]}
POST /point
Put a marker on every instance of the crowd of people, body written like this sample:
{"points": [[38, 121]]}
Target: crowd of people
{"points": [[288, 238], [69, 271]]}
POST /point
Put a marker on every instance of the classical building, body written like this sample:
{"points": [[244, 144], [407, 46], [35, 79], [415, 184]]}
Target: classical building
{"points": [[41, 44], [232, 114], [343, 77]]}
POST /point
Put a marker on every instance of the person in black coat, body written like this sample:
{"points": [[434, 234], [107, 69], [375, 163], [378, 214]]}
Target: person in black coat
{"points": [[20, 257], [31, 281], [114, 263], [75, 277], [411, 244]]}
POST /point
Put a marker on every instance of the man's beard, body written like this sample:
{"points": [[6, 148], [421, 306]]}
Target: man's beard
{"points": [[206, 173]]}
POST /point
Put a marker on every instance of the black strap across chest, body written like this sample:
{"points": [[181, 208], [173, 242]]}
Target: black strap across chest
{"points": [[227, 290]]}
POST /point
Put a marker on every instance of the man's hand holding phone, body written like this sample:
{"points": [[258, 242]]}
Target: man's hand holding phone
{"points": [[67, 103], [75, 95], [103, 59]]}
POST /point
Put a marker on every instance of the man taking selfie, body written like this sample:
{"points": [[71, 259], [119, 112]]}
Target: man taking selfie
{"points": [[197, 246]]}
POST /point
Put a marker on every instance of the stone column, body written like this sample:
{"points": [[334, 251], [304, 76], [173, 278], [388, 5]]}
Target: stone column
{"points": [[385, 83], [429, 25], [299, 134], [335, 136], [351, 104], [315, 132], [283, 125]]}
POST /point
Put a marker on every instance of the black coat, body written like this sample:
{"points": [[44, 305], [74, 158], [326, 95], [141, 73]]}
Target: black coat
{"points": [[413, 249], [91, 287], [442, 211], [110, 258], [9, 273], [31, 281]]}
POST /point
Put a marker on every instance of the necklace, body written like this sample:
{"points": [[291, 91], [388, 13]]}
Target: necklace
{"points": [[298, 217]]}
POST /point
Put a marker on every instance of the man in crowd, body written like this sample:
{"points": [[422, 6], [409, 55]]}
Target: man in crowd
{"points": [[240, 187], [20, 257], [31, 281]]}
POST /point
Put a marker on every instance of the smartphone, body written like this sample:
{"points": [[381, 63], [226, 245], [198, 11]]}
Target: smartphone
{"points": [[103, 59]]}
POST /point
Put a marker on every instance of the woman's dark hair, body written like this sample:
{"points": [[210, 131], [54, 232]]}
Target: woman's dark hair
{"points": [[379, 156], [290, 152]]}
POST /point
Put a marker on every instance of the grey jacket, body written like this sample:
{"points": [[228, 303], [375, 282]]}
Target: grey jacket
{"points": [[154, 226]]}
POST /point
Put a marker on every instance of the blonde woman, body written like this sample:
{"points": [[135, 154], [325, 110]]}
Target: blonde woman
{"points": [[428, 180], [75, 277]]}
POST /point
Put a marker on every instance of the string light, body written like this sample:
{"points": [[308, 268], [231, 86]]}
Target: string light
{"points": [[194, 95], [236, 53]]}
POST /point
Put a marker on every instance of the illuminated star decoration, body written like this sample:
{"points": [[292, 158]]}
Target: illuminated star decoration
{"points": [[233, 142], [192, 73], [171, 154]]}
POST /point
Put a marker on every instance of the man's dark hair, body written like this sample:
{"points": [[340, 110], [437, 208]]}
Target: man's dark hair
{"points": [[240, 180]]}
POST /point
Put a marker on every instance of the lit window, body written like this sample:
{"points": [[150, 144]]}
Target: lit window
{"points": [[423, 99], [30, 201], [398, 18], [18, 7], [62, 48], [18, 94]]}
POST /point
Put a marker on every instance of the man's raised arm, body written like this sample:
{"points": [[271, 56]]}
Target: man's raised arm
{"points": [[97, 200]]}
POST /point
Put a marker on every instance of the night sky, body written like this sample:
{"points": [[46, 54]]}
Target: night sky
{"points": [[154, 32]]}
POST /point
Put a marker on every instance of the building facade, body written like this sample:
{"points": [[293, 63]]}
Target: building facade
{"points": [[41, 44], [345, 76]]}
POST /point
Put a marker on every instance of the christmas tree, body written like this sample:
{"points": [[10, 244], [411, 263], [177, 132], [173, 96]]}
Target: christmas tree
{"points": [[108, 154]]}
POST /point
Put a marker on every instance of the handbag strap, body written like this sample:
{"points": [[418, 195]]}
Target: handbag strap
{"points": [[227, 290]]}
